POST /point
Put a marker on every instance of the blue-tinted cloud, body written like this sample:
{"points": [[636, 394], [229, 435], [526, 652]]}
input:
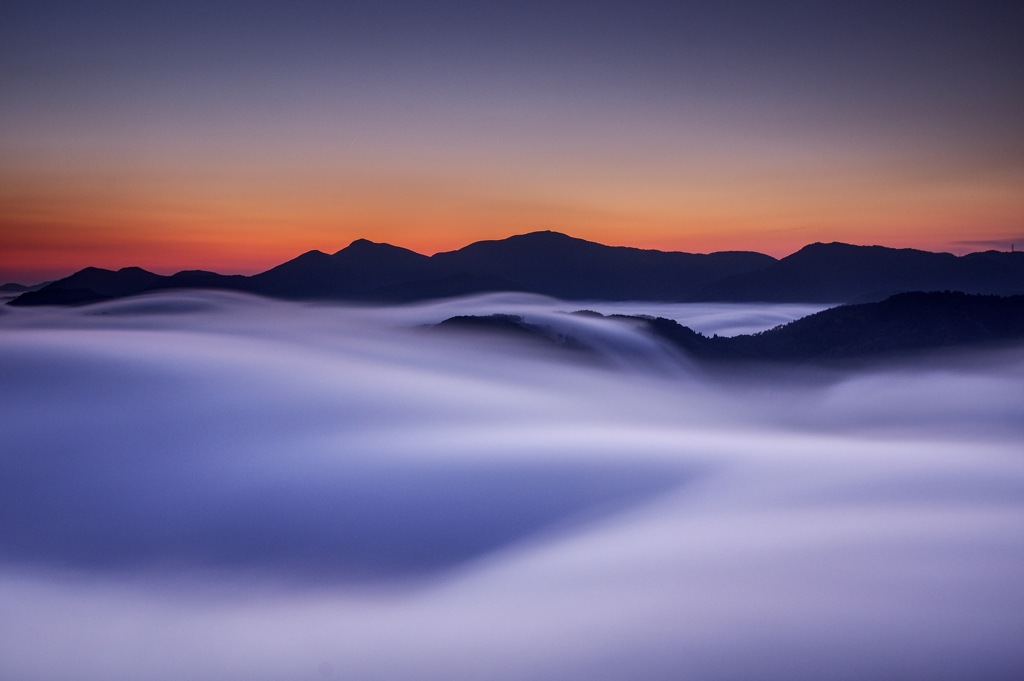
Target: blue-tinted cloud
{"points": [[212, 486]]}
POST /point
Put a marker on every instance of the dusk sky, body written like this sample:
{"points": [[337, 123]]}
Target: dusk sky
{"points": [[233, 136]]}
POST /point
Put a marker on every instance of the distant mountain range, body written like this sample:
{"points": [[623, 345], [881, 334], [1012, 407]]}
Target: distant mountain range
{"points": [[907, 323], [561, 266]]}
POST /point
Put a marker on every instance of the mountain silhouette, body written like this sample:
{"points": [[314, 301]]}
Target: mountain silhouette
{"points": [[557, 265], [60, 296], [202, 279], [561, 266], [836, 272], [510, 326], [902, 324], [124, 282], [92, 285], [15, 288], [354, 272]]}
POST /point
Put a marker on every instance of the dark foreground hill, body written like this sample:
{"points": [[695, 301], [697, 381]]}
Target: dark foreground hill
{"points": [[13, 288], [564, 267], [908, 323]]}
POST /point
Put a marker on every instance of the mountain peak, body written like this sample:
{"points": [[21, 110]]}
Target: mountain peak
{"points": [[362, 243], [547, 241], [839, 248], [556, 264], [831, 247], [11, 286], [361, 246], [546, 236], [364, 248]]}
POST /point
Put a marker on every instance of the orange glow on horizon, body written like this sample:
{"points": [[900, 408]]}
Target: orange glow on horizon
{"points": [[52, 226]]}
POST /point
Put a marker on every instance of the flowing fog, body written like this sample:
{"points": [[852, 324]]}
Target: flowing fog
{"points": [[210, 486]]}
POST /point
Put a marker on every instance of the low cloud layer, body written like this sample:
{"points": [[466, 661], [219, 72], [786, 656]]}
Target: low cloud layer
{"points": [[212, 486]]}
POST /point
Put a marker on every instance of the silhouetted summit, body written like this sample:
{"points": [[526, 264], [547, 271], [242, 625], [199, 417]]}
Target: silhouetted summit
{"points": [[310, 275], [903, 324], [91, 285], [354, 272], [203, 279], [371, 266], [837, 272], [124, 282], [59, 296], [510, 326], [13, 288], [561, 266]]}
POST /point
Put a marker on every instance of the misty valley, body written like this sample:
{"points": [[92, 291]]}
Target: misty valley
{"points": [[215, 485], [528, 341]]}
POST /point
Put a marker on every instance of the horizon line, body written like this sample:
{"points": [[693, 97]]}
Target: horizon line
{"points": [[166, 272]]}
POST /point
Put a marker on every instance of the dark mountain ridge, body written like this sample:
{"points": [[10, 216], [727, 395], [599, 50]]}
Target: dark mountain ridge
{"points": [[904, 324], [354, 272], [901, 324], [12, 287], [837, 272], [561, 266]]}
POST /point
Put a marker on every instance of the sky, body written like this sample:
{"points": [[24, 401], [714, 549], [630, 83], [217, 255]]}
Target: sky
{"points": [[233, 136]]}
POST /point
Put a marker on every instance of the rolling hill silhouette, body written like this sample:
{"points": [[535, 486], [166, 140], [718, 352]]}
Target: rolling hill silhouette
{"points": [[354, 272], [13, 288], [902, 324], [836, 272], [561, 266]]}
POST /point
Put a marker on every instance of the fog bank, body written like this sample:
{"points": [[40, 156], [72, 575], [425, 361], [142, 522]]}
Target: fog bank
{"points": [[214, 486]]}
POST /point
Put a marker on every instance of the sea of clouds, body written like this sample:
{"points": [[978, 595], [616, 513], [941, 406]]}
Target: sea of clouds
{"points": [[214, 486]]}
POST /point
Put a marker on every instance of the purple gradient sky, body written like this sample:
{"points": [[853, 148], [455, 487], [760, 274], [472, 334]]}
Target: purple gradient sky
{"points": [[231, 136]]}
